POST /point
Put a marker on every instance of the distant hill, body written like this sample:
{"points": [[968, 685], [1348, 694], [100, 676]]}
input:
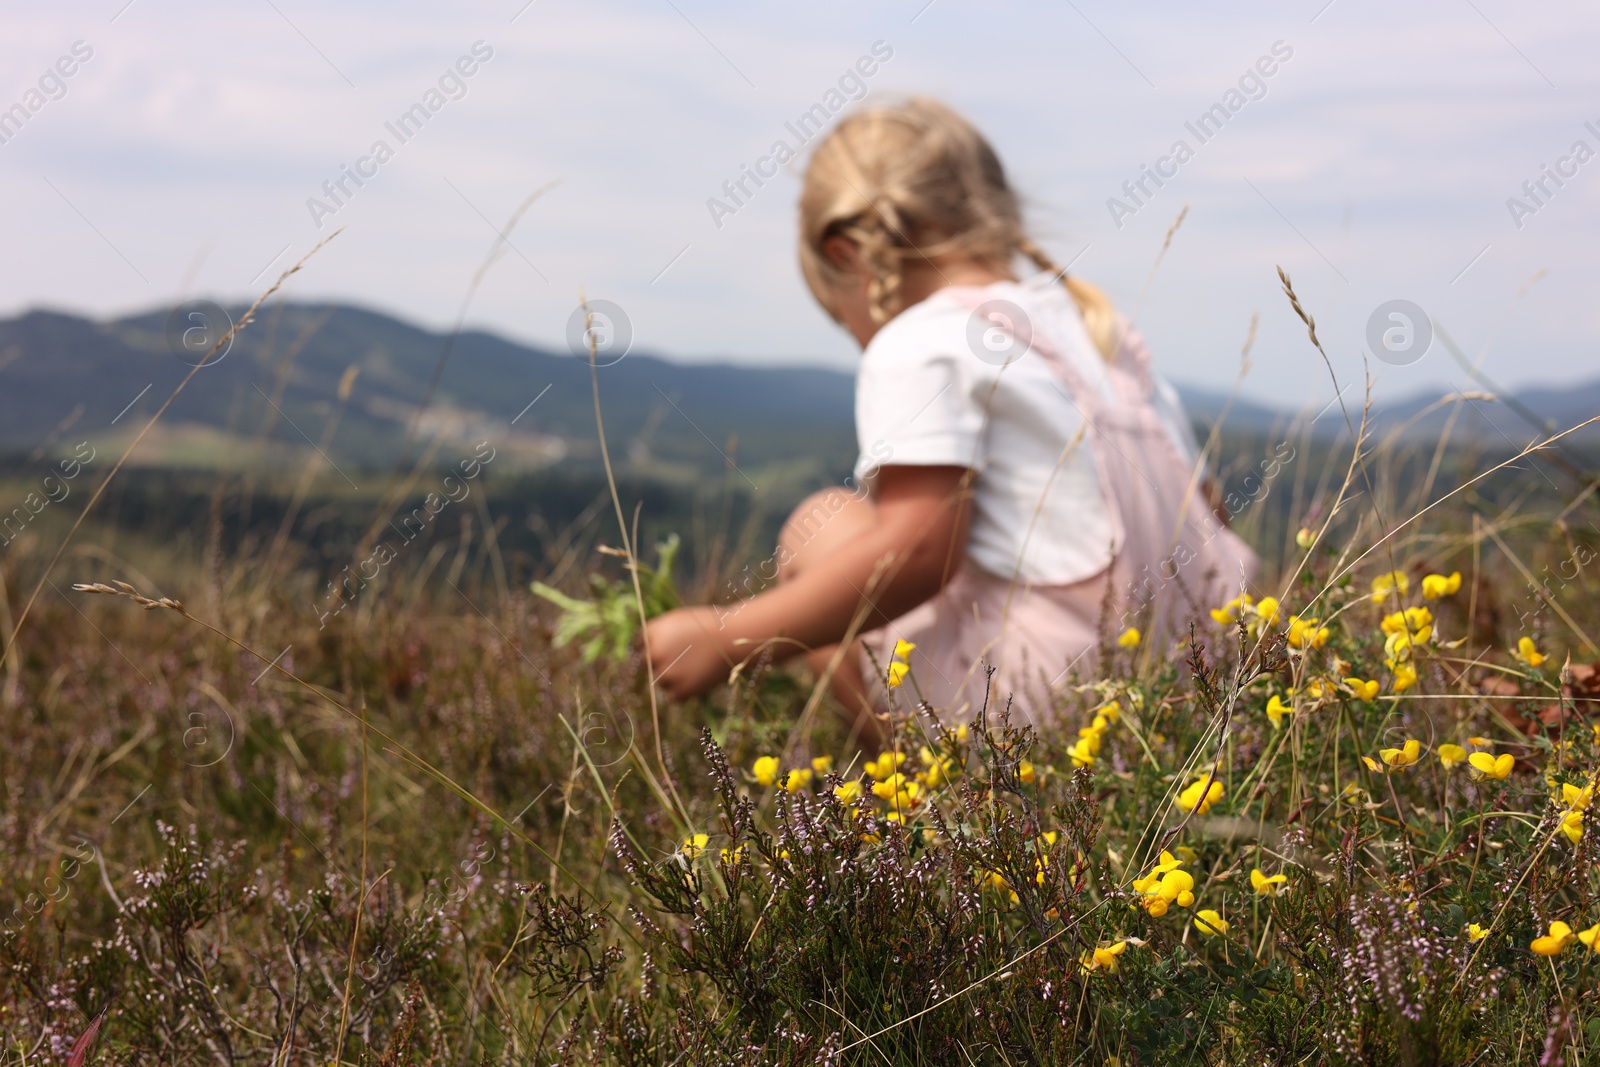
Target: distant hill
{"points": [[281, 378], [64, 377]]}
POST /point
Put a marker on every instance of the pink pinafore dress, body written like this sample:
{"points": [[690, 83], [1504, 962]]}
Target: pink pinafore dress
{"points": [[1170, 561]]}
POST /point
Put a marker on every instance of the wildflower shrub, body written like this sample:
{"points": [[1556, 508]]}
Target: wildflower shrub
{"points": [[1345, 823]]}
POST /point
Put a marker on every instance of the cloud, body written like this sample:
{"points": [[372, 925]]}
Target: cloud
{"points": [[1383, 153]]}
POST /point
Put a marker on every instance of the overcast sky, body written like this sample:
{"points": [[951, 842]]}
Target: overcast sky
{"points": [[1375, 163]]}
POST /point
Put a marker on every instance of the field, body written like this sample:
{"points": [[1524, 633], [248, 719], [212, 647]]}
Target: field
{"points": [[285, 817]]}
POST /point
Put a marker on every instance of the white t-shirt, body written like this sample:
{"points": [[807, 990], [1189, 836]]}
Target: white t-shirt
{"points": [[924, 397]]}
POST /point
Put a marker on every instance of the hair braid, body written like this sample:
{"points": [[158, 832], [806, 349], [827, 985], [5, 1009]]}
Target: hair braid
{"points": [[1099, 317]]}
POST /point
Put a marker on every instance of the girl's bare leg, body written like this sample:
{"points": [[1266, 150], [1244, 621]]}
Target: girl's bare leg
{"points": [[822, 524]]}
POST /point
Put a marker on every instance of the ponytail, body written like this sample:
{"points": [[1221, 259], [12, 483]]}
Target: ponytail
{"points": [[1098, 313]]}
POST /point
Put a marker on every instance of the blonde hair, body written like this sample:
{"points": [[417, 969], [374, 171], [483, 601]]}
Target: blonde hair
{"points": [[916, 181]]}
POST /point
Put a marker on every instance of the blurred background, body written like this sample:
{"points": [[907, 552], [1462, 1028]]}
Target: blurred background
{"points": [[158, 152]]}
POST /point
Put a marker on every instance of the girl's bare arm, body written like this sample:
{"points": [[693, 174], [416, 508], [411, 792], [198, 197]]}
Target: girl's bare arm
{"points": [[915, 544]]}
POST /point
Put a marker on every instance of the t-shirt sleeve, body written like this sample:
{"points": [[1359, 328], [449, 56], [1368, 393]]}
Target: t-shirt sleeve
{"points": [[915, 403]]}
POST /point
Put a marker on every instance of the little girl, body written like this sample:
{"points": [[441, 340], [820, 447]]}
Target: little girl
{"points": [[1032, 490]]}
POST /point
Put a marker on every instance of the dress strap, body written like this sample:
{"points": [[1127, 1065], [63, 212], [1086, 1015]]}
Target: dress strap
{"points": [[1133, 356], [1004, 315]]}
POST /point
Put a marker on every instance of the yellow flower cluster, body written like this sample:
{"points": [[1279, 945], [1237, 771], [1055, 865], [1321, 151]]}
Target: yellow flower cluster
{"points": [[1199, 796], [1300, 632], [1166, 884], [1576, 801], [767, 770], [1405, 631], [1234, 609], [1395, 759], [900, 790], [1561, 935], [898, 666], [1086, 749], [1306, 633], [1410, 628], [1482, 764], [1385, 585], [1435, 586]]}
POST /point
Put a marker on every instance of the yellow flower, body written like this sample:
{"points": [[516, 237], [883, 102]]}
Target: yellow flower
{"points": [[1405, 676], [1572, 826], [1435, 586], [1450, 755], [1591, 937], [1384, 584], [1554, 943], [732, 855], [1404, 756], [1102, 958], [885, 765], [695, 844], [1186, 854], [1476, 932], [1496, 767], [1415, 620], [1267, 609], [1305, 537], [765, 770], [1481, 742], [1083, 752], [848, 792], [903, 649], [1266, 884], [897, 674], [1173, 887], [1276, 710], [1167, 862], [1210, 922], [822, 764], [891, 785], [1112, 712], [1362, 690], [794, 781], [1026, 772], [1198, 796], [1229, 612], [1305, 633], [1528, 653], [1575, 798], [1129, 638]]}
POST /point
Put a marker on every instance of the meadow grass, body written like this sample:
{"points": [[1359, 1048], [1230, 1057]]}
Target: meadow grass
{"points": [[427, 831]]}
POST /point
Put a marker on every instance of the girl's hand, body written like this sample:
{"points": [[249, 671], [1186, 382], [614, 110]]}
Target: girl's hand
{"points": [[686, 651]]}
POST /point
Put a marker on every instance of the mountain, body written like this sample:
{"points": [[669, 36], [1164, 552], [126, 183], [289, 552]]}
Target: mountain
{"points": [[67, 377], [64, 378]]}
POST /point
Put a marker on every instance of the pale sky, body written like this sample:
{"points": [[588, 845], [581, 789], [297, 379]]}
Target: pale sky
{"points": [[1376, 163]]}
